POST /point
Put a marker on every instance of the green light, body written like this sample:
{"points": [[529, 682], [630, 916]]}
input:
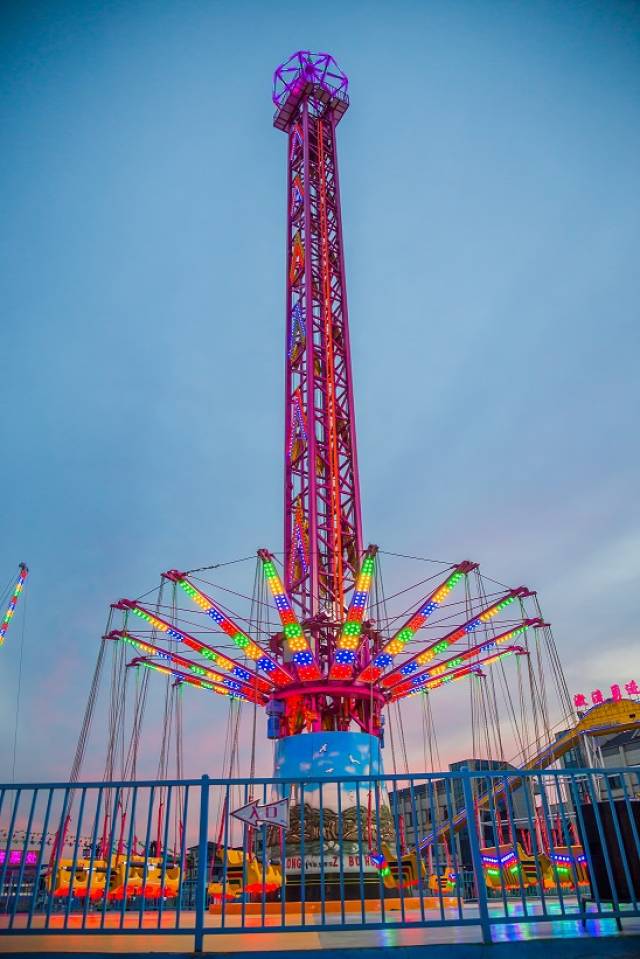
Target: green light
{"points": [[208, 654], [351, 629], [404, 635], [292, 630], [240, 640], [199, 670], [440, 647], [269, 570]]}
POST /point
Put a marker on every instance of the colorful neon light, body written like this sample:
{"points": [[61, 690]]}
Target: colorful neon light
{"points": [[296, 641], [11, 608], [244, 685], [351, 634], [422, 683], [473, 651], [298, 422], [335, 513], [190, 680], [440, 645], [298, 333], [415, 622], [299, 544], [277, 674], [209, 652], [297, 259]]}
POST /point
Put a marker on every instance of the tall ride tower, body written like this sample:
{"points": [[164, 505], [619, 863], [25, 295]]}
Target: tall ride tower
{"points": [[322, 518]]}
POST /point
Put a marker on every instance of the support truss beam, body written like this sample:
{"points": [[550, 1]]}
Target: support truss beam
{"points": [[416, 621], [209, 652], [419, 679], [440, 645], [181, 677], [350, 638], [277, 674], [407, 689], [253, 689], [296, 642]]}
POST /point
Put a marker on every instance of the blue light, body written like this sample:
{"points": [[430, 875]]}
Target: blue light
{"points": [[345, 656], [266, 664], [303, 657], [408, 668], [382, 660]]}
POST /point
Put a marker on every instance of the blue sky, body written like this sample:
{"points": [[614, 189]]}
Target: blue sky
{"points": [[489, 172]]}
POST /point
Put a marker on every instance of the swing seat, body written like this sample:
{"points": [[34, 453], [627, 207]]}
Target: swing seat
{"points": [[69, 880], [566, 863], [403, 873], [501, 867], [442, 883], [271, 880]]}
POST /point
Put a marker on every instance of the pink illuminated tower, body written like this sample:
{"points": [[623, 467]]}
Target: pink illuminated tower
{"points": [[322, 519]]}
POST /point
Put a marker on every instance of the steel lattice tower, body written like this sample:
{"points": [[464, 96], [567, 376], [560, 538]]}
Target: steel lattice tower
{"points": [[322, 515]]}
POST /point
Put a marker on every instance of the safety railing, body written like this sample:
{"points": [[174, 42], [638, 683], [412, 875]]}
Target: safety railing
{"points": [[194, 858]]}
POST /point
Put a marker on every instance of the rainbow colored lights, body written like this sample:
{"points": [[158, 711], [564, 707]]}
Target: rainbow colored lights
{"points": [[297, 259], [246, 684], [351, 634], [434, 649], [277, 674], [190, 680], [424, 683], [11, 608], [296, 641], [205, 650], [398, 641]]}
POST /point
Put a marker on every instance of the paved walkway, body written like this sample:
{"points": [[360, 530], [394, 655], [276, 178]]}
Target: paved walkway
{"points": [[539, 939]]}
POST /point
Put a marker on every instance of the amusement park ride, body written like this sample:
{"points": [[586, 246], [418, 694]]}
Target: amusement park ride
{"points": [[337, 664]]}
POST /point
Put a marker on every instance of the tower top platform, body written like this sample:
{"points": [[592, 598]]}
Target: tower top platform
{"points": [[308, 73]]}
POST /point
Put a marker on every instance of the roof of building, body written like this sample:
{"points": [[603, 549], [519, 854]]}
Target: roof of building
{"points": [[622, 739]]}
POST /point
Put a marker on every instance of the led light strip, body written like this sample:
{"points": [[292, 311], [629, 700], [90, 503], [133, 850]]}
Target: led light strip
{"points": [[424, 684], [305, 661], [415, 622], [472, 651], [231, 665], [277, 674], [351, 634], [201, 671], [190, 680], [433, 650], [11, 608]]}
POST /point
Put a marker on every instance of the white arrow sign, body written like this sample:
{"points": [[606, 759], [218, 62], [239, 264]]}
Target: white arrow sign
{"points": [[272, 813]]}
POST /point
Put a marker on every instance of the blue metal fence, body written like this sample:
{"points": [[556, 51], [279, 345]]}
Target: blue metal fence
{"points": [[472, 847]]}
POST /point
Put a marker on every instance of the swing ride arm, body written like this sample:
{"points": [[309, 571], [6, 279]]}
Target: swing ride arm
{"points": [[398, 674], [277, 674], [251, 686], [350, 639], [198, 683], [419, 679], [209, 652], [426, 684], [302, 655], [416, 621], [13, 601]]}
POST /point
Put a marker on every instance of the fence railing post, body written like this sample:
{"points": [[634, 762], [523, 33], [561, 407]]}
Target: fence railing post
{"points": [[201, 878], [476, 858]]}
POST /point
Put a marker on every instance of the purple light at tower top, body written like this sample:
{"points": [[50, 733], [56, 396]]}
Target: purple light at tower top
{"points": [[305, 67]]}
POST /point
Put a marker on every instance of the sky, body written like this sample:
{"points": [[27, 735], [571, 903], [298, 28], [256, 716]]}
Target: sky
{"points": [[491, 208]]}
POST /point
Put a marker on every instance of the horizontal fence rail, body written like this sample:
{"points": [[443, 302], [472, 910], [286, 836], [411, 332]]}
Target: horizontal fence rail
{"points": [[198, 857]]}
